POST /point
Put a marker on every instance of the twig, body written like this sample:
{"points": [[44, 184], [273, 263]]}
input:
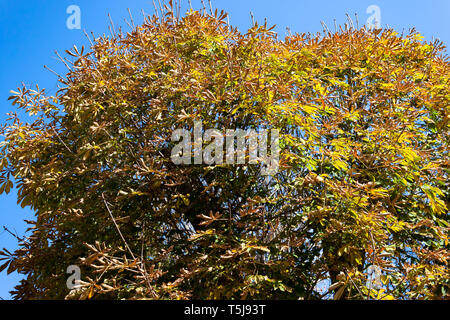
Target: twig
{"points": [[13, 234], [131, 17], [355, 285], [112, 25], [117, 227], [210, 7], [161, 9], [204, 7], [65, 145], [54, 72], [87, 36], [63, 61]]}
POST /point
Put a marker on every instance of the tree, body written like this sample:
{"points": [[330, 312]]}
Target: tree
{"points": [[363, 179]]}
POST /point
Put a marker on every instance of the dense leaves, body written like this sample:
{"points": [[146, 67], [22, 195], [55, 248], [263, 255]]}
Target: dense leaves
{"points": [[363, 179]]}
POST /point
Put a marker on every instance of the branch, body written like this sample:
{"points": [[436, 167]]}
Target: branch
{"points": [[117, 227], [144, 271], [13, 234]]}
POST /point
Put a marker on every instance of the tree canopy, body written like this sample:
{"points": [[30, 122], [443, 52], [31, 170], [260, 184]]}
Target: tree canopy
{"points": [[363, 179]]}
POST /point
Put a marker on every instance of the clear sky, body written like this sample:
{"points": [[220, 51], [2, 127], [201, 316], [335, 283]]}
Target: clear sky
{"points": [[30, 32]]}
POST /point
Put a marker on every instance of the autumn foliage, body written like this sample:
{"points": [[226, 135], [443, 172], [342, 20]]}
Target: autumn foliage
{"points": [[363, 178]]}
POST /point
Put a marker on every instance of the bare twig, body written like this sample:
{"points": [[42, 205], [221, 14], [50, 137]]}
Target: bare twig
{"points": [[112, 25], [210, 7], [13, 234], [87, 36], [131, 17], [52, 71], [59, 138], [117, 227], [63, 61]]}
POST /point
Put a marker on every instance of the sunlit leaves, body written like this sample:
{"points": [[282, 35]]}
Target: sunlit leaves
{"points": [[363, 179]]}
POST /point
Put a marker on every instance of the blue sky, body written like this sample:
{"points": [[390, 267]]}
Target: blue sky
{"points": [[30, 32]]}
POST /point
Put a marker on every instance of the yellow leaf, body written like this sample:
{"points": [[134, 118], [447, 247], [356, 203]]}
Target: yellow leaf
{"points": [[340, 165], [379, 192], [91, 292]]}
